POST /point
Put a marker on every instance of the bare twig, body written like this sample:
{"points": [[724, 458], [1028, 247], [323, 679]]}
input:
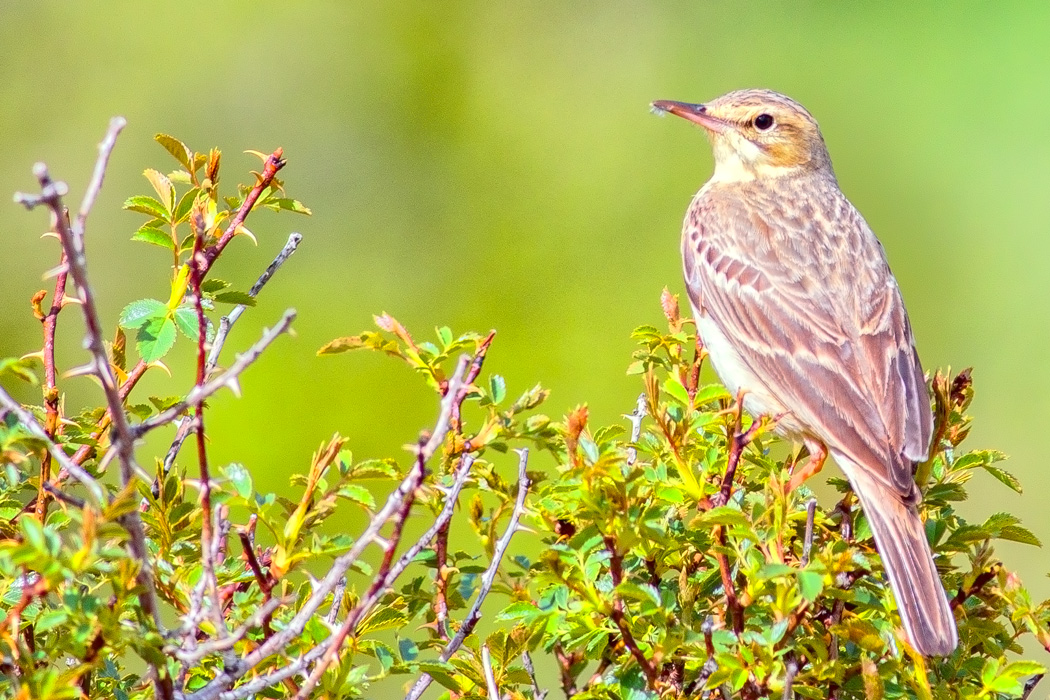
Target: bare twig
{"points": [[72, 238], [96, 494], [487, 578], [526, 661], [200, 393], [51, 394], [807, 543], [219, 685], [789, 679], [636, 427], [227, 322], [1030, 685], [490, 676]]}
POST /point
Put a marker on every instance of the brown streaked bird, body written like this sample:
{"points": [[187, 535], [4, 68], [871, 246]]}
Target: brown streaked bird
{"points": [[797, 307]]}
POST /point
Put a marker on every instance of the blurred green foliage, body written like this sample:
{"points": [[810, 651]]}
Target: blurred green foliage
{"points": [[494, 165]]}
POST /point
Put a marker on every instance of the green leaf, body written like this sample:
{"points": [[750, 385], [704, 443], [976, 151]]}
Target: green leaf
{"points": [[185, 206], [176, 148], [154, 236], [148, 206], [334, 347], [155, 338], [21, 367], [240, 478], [497, 388], [292, 205], [383, 619], [186, 320], [138, 313], [1016, 533], [213, 284], [358, 494], [810, 584], [444, 334], [443, 673], [409, 650], [1004, 476], [235, 298]]}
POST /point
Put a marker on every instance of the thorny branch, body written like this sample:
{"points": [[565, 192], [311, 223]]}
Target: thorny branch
{"points": [[226, 324], [487, 579], [219, 686], [201, 392], [72, 237], [273, 164]]}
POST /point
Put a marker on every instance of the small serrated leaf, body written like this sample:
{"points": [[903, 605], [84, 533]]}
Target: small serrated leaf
{"points": [[148, 206], [139, 312], [241, 298], [497, 388], [155, 338], [213, 284], [176, 148], [154, 236], [339, 345], [163, 187]]}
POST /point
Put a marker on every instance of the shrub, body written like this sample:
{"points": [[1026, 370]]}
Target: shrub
{"points": [[666, 559]]}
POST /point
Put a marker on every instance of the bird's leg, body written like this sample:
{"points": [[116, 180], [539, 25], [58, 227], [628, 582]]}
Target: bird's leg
{"points": [[817, 454]]}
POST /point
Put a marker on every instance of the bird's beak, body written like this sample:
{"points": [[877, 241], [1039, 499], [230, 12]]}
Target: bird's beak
{"points": [[694, 113]]}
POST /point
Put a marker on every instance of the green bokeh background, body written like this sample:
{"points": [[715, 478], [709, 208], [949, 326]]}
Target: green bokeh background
{"points": [[494, 165]]}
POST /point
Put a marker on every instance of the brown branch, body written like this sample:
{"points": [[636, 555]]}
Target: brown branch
{"points": [[978, 583], [51, 395], [807, 543], [72, 238], [732, 601], [274, 162], [738, 439], [618, 616]]}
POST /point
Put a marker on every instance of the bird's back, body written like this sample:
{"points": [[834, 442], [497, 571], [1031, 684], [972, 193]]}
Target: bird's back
{"points": [[792, 274]]}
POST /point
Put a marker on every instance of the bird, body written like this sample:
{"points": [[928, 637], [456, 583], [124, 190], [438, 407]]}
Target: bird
{"points": [[800, 314]]}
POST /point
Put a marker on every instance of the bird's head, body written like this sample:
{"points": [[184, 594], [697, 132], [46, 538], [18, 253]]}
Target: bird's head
{"points": [[756, 134]]}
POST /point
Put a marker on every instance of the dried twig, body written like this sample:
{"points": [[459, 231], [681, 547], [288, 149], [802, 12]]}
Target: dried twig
{"points": [[219, 686], [635, 418], [487, 578], [490, 676], [96, 494], [807, 543], [72, 237], [526, 661]]}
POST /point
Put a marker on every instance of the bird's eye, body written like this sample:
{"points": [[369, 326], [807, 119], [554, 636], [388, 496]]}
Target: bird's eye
{"points": [[764, 122]]}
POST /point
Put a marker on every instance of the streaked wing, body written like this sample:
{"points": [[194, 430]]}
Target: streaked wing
{"points": [[813, 310]]}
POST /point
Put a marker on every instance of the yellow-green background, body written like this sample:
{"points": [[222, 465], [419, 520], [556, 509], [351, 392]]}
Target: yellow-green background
{"points": [[494, 164]]}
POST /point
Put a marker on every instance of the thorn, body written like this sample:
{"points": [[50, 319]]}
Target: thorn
{"points": [[161, 365], [80, 371], [66, 299], [51, 234], [234, 386], [55, 272]]}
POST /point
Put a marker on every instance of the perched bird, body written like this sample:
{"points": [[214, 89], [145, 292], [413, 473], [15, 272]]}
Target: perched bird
{"points": [[798, 310]]}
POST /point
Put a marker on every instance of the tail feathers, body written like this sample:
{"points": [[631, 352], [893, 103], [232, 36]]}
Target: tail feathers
{"points": [[906, 557]]}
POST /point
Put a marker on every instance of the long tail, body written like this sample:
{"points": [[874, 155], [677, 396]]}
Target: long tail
{"points": [[906, 557]]}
